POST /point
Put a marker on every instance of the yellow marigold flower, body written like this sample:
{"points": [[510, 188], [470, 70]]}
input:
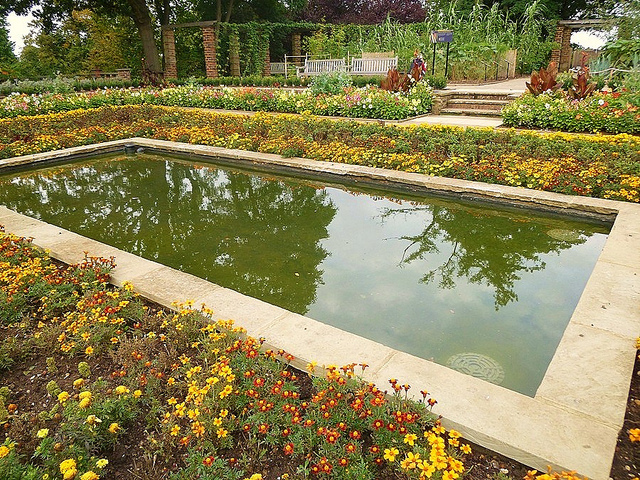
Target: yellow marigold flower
{"points": [[634, 434], [89, 476], [84, 403], [63, 397], [114, 428], [217, 421], [78, 383], [103, 462], [449, 475], [92, 420], [89, 351], [390, 454], [410, 461], [66, 465], [466, 449], [410, 439], [85, 394], [4, 451], [42, 433], [221, 432], [226, 391], [121, 390], [255, 476], [454, 434], [198, 429], [175, 430], [137, 393], [70, 474], [224, 412]]}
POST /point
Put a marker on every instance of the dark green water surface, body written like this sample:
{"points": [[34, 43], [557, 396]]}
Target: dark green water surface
{"points": [[433, 277]]}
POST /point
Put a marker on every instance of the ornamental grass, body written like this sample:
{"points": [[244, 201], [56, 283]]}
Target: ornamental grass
{"points": [[604, 166]]}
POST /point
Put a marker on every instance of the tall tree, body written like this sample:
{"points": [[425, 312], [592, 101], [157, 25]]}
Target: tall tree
{"points": [[6, 45], [142, 13], [364, 12]]}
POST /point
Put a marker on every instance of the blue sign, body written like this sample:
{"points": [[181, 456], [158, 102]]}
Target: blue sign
{"points": [[441, 36]]}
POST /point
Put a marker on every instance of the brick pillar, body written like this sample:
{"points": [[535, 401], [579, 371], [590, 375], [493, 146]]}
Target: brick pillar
{"points": [[209, 41], [296, 47], [266, 71], [234, 54], [562, 55], [169, 47], [565, 51]]}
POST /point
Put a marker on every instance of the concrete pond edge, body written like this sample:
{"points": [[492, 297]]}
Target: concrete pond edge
{"points": [[571, 423]]}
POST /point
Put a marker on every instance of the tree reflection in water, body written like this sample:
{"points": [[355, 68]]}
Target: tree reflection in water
{"points": [[495, 253], [262, 238]]}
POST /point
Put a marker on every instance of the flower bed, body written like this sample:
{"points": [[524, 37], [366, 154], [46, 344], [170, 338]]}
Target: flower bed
{"points": [[604, 166], [116, 386], [365, 102], [601, 112]]}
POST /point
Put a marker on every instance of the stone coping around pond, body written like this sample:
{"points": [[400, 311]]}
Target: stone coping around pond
{"points": [[572, 422]]}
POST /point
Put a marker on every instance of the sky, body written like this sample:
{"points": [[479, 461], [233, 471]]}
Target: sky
{"points": [[18, 28]]}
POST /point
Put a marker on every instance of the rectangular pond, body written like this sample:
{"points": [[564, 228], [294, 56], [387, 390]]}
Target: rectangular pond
{"points": [[483, 289]]}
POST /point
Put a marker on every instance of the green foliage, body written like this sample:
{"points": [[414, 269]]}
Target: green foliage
{"points": [[330, 83], [623, 53]]}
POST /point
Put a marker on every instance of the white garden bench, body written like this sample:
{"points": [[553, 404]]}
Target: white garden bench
{"points": [[373, 65], [318, 67]]}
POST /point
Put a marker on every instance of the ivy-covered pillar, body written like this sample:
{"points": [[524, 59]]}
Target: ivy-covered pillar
{"points": [[234, 54], [169, 49], [209, 41]]}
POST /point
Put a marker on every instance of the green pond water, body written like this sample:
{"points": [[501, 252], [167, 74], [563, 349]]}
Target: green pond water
{"points": [[486, 290]]}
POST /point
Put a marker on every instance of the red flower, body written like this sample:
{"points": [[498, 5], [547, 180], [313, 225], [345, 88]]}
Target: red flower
{"points": [[378, 424], [207, 462], [288, 449], [355, 435]]}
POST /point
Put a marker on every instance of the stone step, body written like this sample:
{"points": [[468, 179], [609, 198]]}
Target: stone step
{"points": [[482, 96], [481, 104], [471, 111]]}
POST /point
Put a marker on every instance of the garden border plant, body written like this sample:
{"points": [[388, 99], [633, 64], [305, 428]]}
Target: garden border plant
{"points": [[192, 389], [606, 166], [364, 102]]}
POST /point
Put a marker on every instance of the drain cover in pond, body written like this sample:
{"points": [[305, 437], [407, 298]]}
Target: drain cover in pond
{"points": [[564, 235], [477, 365]]}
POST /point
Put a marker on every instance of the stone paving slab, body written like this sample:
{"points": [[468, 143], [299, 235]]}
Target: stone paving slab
{"points": [[573, 420]]}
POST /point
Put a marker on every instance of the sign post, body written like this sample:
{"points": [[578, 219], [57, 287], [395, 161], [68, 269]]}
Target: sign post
{"points": [[441, 36]]}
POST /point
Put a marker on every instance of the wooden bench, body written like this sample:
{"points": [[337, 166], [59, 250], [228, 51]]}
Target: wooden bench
{"points": [[373, 65], [318, 67], [277, 68]]}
